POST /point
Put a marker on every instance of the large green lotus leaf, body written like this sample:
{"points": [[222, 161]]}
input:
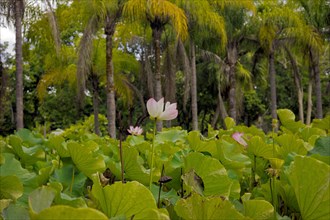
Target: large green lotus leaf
{"points": [[10, 187], [193, 182], [308, 132], [250, 131], [195, 143], [84, 159], [4, 203], [258, 147], [169, 198], [322, 146], [229, 122], [258, 209], [120, 199], [133, 140], [16, 212], [172, 136], [133, 167], [232, 157], [199, 207], [151, 214], [322, 123], [288, 196], [58, 143], [13, 167], [69, 213], [30, 138], [212, 172], [310, 181], [27, 156], [287, 119], [64, 176], [290, 143], [41, 198]]}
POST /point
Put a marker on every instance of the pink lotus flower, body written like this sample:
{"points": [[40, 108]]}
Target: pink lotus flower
{"points": [[237, 136], [158, 111], [135, 130]]}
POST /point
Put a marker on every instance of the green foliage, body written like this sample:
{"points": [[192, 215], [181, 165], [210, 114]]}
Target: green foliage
{"points": [[277, 174], [311, 188]]}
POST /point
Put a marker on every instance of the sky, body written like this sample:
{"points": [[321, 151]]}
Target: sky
{"points": [[8, 35]]}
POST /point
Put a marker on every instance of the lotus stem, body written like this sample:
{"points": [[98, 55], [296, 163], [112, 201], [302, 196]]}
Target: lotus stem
{"points": [[72, 180], [253, 170], [121, 158], [152, 156]]}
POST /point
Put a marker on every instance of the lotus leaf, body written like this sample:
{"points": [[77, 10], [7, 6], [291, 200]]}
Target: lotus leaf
{"points": [[322, 123], [30, 138], [133, 166], [4, 203], [287, 119], [69, 213], [290, 143], [258, 147], [41, 198], [230, 123], [212, 173], [322, 146], [151, 214], [64, 176], [196, 144], [311, 187], [16, 211], [172, 136], [258, 209], [199, 207], [232, 157], [308, 132], [27, 156], [58, 143], [120, 199], [84, 160], [13, 166], [10, 187]]}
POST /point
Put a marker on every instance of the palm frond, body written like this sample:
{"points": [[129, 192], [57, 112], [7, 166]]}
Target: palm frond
{"points": [[160, 9]]}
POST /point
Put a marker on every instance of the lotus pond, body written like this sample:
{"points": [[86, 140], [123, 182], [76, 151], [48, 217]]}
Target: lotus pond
{"points": [[78, 175]]}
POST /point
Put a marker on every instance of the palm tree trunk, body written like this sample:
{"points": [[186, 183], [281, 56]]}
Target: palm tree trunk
{"points": [[169, 73], [194, 109], [184, 60], [318, 90], [19, 64], [309, 96], [156, 34], [272, 82], [3, 86], [232, 60], [95, 85], [111, 103], [297, 80]]}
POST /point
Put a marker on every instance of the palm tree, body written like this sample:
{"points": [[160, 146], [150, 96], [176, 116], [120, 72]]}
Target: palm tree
{"points": [[157, 13], [14, 10], [102, 13], [236, 14], [201, 16], [281, 26], [316, 14]]}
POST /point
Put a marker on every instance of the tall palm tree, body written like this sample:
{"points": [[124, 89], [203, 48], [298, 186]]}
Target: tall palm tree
{"points": [[157, 13], [14, 11], [102, 13], [281, 25], [236, 15], [201, 16], [316, 14]]}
